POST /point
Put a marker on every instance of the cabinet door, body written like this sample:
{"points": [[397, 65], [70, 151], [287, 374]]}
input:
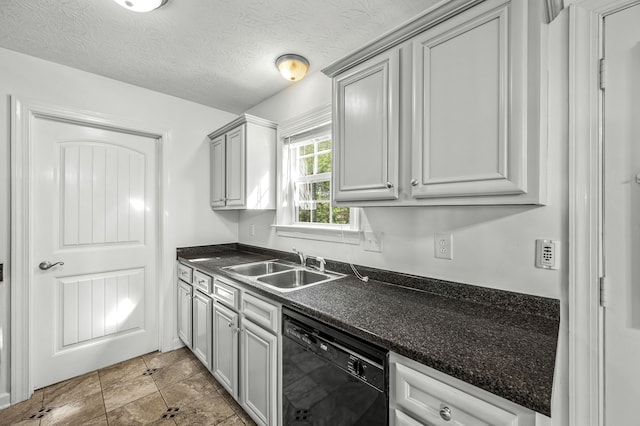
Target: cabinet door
{"points": [[366, 130], [184, 312], [258, 366], [202, 311], [466, 141], [218, 172], [235, 157], [225, 348]]}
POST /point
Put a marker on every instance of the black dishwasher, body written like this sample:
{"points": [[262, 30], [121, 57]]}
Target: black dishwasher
{"points": [[330, 378]]}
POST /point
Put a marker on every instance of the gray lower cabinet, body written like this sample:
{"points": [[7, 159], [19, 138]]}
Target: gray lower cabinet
{"points": [[202, 336], [185, 292], [246, 338], [420, 395], [225, 348], [236, 335], [259, 367]]}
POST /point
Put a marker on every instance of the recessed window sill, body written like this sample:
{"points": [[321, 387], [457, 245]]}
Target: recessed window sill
{"points": [[321, 233]]}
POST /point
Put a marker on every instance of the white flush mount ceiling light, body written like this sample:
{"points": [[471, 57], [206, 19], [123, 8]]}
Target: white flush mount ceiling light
{"points": [[292, 67], [141, 5]]}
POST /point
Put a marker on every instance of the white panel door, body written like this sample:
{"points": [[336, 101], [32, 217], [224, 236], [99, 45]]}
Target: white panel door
{"points": [[94, 209], [259, 369], [366, 136], [225, 348], [218, 172], [622, 217], [185, 315], [202, 323], [235, 152], [461, 142]]}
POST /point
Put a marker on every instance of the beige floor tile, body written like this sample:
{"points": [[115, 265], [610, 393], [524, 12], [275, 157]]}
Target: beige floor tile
{"points": [[76, 412], [174, 373], [121, 394], [164, 359], [232, 421], [129, 391], [22, 423], [122, 372], [147, 410], [71, 390], [23, 410], [98, 421], [204, 411], [240, 412], [246, 418], [190, 389]]}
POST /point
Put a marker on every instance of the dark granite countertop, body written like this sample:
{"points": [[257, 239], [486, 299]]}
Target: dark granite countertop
{"points": [[507, 352]]}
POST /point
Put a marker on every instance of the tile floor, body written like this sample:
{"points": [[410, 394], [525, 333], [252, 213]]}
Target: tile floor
{"points": [[171, 388]]}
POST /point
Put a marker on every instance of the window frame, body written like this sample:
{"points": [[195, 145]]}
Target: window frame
{"points": [[286, 224]]}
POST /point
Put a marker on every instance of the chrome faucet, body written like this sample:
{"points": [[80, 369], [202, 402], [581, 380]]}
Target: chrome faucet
{"points": [[303, 258], [321, 263]]}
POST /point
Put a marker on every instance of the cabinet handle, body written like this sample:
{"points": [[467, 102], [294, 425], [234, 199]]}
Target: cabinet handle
{"points": [[389, 185], [230, 325], [414, 182], [445, 414]]}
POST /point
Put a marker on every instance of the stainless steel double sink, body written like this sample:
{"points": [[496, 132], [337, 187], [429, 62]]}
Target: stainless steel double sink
{"points": [[282, 276]]}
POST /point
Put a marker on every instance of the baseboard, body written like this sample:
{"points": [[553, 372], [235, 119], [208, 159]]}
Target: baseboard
{"points": [[175, 344], [5, 400]]}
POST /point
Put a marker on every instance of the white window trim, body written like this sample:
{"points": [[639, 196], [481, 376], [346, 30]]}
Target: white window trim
{"points": [[285, 227]]}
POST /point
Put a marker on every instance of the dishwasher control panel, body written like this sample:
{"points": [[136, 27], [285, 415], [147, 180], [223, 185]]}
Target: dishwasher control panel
{"points": [[331, 349]]}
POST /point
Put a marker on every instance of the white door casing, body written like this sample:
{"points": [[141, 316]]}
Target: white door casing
{"points": [[83, 278], [585, 162], [621, 216]]}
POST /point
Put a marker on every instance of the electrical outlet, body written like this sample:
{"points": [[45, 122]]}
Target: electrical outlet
{"points": [[252, 230], [373, 241], [547, 254], [443, 246]]}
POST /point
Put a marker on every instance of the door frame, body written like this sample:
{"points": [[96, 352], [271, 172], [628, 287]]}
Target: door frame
{"points": [[586, 403], [23, 113]]}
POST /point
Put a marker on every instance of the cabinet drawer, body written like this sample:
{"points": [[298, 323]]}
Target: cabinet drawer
{"points": [[261, 312], [202, 282], [185, 273], [226, 293], [437, 403]]}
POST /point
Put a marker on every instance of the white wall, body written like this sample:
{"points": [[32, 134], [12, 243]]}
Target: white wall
{"points": [[190, 220], [493, 246]]}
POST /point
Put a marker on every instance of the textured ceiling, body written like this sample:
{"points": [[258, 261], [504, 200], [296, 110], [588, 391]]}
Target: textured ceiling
{"points": [[215, 52]]}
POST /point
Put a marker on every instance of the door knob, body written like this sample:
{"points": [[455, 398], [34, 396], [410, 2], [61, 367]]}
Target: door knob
{"points": [[46, 265]]}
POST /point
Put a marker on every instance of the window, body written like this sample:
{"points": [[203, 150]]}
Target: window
{"points": [[305, 207], [310, 179]]}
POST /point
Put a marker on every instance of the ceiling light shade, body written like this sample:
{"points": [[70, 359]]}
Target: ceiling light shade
{"points": [[141, 5], [292, 67]]}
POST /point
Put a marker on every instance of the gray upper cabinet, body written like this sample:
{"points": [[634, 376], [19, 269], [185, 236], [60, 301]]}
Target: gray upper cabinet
{"points": [[469, 109], [243, 164], [366, 132]]}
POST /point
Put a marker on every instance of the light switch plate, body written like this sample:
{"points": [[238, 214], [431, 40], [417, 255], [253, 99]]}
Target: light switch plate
{"points": [[373, 241]]}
